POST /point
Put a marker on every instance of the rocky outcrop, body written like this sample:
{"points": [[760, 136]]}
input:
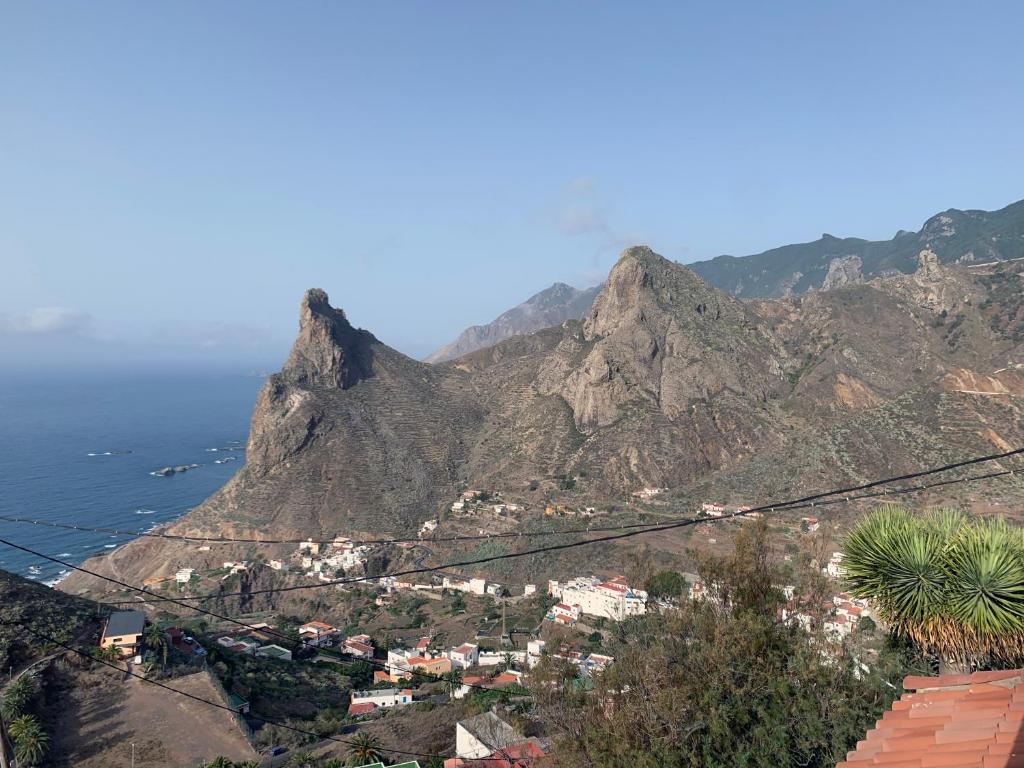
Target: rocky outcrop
{"points": [[662, 336], [843, 270]]}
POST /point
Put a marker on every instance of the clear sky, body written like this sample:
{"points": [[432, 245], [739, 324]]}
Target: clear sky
{"points": [[174, 175]]}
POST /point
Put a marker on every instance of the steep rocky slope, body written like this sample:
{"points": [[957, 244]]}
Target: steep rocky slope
{"points": [[551, 307], [666, 381]]}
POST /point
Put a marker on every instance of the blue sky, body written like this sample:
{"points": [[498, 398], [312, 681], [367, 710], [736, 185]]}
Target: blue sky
{"points": [[173, 176]]}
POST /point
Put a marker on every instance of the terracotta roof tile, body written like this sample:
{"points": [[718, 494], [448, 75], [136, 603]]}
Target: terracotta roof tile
{"points": [[950, 721]]}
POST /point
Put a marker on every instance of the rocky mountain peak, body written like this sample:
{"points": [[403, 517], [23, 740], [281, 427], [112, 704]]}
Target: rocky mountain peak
{"points": [[328, 351], [646, 288]]}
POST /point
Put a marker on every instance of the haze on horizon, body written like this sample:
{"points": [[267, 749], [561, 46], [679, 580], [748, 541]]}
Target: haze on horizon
{"points": [[173, 178]]}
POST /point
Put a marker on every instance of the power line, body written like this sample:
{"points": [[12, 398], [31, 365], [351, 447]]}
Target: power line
{"points": [[440, 539], [818, 499], [805, 502], [782, 506], [222, 617], [308, 539], [200, 699]]}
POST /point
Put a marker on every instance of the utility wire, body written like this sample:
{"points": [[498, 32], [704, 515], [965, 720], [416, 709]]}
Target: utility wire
{"points": [[818, 499], [308, 539], [689, 521], [440, 539], [201, 700]]}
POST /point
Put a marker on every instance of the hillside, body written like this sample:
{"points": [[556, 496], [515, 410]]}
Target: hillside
{"points": [[551, 307], [955, 236], [28, 604], [665, 382]]}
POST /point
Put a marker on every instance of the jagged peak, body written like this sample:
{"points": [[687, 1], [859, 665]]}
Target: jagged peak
{"points": [[328, 351]]}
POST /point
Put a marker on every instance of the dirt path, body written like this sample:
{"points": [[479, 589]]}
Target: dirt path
{"points": [[105, 714]]}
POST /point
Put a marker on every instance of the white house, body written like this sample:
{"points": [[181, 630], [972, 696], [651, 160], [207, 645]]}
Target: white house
{"points": [[184, 575], [472, 586], [571, 612], [835, 565], [534, 650], [388, 697], [613, 599], [278, 565], [529, 589], [428, 527], [317, 634], [465, 656]]}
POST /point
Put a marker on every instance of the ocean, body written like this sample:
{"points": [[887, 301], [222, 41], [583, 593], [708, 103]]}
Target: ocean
{"points": [[80, 449]]}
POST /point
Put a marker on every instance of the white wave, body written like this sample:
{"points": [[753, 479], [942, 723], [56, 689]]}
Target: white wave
{"points": [[109, 546], [145, 511], [64, 554]]}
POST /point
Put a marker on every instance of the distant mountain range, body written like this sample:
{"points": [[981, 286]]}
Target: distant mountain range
{"points": [[551, 307], [954, 236]]}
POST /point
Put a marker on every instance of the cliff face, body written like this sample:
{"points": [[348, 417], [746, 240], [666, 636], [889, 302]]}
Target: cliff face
{"points": [[666, 381], [662, 336]]}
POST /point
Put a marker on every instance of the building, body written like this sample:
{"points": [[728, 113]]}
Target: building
{"points": [[317, 634], [522, 755], [360, 646], [465, 656], [364, 702], [565, 612], [951, 720], [479, 736], [123, 631], [403, 662], [834, 568], [184, 575], [529, 589], [428, 527], [809, 524], [274, 652], [278, 565], [472, 586], [613, 599]]}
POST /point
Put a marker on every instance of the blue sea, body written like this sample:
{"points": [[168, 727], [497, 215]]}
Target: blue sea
{"points": [[80, 449]]}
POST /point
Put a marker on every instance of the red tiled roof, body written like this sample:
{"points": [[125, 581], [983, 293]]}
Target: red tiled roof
{"points": [[380, 676], [361, 708], [465, 648], [956, 721]]}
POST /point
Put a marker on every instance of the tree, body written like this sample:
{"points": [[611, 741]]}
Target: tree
{"points": [[953, 586], [30, 740], [334, 762], [301, 760], [714, 684], [452, 680], [220, 762], [365, 748], [156, 640], [18, 695], [665, 584]]}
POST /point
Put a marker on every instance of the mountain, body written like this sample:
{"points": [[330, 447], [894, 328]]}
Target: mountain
{"points": [[955, 236], [666, 381], [552, 306]]}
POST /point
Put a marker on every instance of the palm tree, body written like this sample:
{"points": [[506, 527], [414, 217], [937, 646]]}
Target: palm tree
{"points": [[157, 642], [18, 695], [334, 762], [30, 740], [301, 760], [953, 586], [365, 748], [452, 680]]}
